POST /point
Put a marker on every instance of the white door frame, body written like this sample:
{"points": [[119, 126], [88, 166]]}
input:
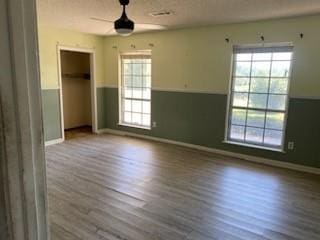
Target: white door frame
{"points": [[92, 53]]}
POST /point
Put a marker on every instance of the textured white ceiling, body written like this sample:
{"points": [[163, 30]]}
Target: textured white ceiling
{"points": [[76, 14]]}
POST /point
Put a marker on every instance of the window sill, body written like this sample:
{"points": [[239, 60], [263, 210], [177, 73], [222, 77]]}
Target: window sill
{"points": [[134, 126], [254, 146]]}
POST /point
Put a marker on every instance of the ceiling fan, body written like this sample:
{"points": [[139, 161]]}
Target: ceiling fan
{"points": [[124, 26]]}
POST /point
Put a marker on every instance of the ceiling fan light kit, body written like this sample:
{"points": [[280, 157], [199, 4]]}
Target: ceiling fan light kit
{"points": [[124, 26]]}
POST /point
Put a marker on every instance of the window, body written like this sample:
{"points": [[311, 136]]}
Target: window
{"points": [[135, 89], [259, 94]]}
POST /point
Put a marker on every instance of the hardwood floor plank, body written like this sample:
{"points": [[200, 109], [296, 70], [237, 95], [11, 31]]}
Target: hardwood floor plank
{"points": [[59, 233], [124, 213], [122, 188]]}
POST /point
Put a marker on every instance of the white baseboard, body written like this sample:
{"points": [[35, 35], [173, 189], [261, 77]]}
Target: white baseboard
{"points": [[53, 142], [250, 158]]}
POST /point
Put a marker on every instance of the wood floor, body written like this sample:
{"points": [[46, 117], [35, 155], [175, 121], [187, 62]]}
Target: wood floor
{"points": [[121, 188]]}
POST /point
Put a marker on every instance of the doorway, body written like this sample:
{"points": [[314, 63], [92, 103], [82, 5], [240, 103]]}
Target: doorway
{"points": [[77, 91]]}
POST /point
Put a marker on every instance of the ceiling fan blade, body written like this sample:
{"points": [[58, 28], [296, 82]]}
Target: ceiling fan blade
{"points": [[140, 25], [149, 26], [101, 20], [111, 31]]}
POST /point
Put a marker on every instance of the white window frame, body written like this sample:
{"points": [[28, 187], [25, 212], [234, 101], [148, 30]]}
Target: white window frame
{"points": [[253, 49], [137, 53]]}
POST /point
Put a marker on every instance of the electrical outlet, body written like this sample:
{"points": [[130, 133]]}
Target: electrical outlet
{"points": [[154, 124], [290, 145]]}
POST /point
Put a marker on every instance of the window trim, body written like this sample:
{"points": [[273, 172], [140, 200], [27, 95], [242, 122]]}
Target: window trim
{"points": [[244, 47], [134, 126], [120, 86], [261, 147]]}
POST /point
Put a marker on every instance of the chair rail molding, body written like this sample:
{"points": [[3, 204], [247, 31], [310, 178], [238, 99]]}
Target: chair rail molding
{"points": [[22, 142]]}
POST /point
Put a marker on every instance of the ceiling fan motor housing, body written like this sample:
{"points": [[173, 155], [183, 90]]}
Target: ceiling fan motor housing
{"points": [[124, 2], [124, 24]]}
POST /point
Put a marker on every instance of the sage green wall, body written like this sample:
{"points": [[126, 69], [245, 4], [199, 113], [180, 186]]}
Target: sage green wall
{"points": [[180, 118], [51, 114], [103, 106]]}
